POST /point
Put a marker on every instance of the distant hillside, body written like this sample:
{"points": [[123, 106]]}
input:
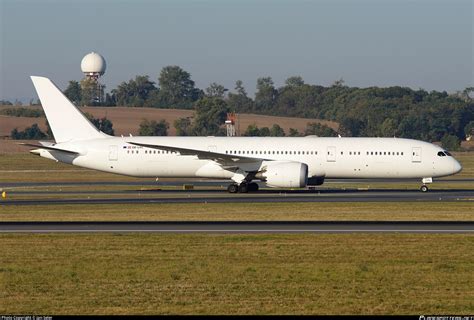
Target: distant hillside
{"points": [[126, 120]]}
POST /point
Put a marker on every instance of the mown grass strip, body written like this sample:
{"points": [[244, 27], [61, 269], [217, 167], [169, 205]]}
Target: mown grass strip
{"points": [[389, 211], [236, 274]]}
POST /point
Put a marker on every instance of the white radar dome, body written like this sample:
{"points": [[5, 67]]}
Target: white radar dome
{"points": [[93, 63]]}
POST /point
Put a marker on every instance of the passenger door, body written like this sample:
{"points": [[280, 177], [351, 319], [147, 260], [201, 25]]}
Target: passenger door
{"points": [[113, 153], [331, 154], [416, 154]]}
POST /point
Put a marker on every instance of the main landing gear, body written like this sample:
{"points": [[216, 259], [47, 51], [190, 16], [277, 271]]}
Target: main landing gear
{"points": [[244, 187]]}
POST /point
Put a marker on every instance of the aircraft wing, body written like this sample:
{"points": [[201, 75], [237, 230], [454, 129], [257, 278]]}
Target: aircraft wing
{"points": [[48, 147], [221, 158]]}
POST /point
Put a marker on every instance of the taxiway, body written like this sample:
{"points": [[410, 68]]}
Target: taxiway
{"points": [[239, 227]]}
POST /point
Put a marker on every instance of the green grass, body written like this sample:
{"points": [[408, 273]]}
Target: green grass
{"points": [[230, 274], [388, 211], [467, 161], [236, 274]]}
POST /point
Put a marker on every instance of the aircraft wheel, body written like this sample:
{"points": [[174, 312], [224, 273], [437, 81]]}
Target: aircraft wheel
{"points": [[243, 188], [233, 188], [424, 188], [253, 187]]}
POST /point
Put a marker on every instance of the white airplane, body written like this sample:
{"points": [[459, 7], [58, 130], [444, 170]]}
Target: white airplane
{"points": [[286, 162]]}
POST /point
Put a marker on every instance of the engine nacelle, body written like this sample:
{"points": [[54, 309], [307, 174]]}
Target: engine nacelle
{"points": [[284, 174]]}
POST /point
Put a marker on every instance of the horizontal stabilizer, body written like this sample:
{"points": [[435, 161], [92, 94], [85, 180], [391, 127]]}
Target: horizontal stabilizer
{"points": [[39, 146]]}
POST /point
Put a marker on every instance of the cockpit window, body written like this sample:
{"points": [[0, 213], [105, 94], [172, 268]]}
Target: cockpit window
{"points": [[447, 153], [441, 154]]}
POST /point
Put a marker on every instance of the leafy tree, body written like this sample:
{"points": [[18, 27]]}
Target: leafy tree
{"points": [[30, 133], [465, 94], [252, 131], [176, 88], [351, 126], [417, 127], [339, 83], [209, 117], [264, 132], [295, 81], [153, 128], [183, 126], [239, 102], [74, 92], [469, 129], [276, 131], [320, 130], [5, 103], [103, 124], [22, 112], [266, 94], [450, 142], [88, 91], [134, 93], [216, 90], [110, 100], [388, 128], [239, 87], [294, 133]]}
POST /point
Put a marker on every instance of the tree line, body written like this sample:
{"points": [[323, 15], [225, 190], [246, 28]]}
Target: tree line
{"points": [[380, 112]]}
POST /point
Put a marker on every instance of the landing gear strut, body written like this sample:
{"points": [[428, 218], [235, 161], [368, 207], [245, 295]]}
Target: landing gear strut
{"points": [[244, 187], [424, 187]]}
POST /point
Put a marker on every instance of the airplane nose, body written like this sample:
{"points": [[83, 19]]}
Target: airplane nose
{"points": [[456, 167]]}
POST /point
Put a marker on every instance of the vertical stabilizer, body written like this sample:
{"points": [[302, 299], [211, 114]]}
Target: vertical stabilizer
{"points": [[65, 120]]}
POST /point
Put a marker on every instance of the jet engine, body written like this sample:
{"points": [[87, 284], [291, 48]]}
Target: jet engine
{"points": [[284, 174]]}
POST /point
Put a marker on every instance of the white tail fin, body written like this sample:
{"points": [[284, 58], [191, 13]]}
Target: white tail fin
{"points": [[65, 120]]}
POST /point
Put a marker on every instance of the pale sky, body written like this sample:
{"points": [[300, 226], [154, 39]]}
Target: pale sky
{"points": [[416, 43]]}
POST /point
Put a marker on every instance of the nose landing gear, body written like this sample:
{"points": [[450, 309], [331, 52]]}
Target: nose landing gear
{"points": [[424, 187]]}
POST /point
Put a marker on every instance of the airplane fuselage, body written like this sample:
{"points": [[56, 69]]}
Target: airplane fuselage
{"points": [[325, 157]]}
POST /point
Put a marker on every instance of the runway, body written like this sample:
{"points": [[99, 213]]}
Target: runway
{"points": [[238, 227], [221, 196], [211, 183]]}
